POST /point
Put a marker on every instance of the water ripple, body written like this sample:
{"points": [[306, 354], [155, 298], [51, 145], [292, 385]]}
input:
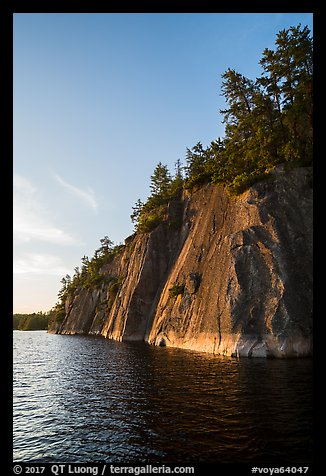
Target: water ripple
{"points": [[80, 399]]}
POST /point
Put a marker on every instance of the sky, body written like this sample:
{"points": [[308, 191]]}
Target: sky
{"points": [[99, 101]]}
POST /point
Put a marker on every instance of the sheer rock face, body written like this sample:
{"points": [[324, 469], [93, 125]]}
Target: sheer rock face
{"points": [[252, 258], [245, 264], [148, 266]]}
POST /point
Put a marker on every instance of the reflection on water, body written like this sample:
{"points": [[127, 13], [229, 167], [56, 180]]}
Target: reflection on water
{"points": [[79, 399]]}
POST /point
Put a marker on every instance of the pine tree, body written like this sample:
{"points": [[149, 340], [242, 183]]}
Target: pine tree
{"points": [[137, 210], [177, 181], [105, 248], [160, 181], [287, 77], [269, 120]]}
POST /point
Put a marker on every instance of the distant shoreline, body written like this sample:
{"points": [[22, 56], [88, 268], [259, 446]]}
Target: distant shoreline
{"points": [[30, 322]]}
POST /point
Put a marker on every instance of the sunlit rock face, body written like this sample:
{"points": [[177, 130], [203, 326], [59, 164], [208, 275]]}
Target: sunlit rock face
{"points": [[242, 266]]}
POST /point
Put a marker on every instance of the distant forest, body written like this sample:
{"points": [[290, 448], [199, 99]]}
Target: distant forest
{"points": [[31, 322]]}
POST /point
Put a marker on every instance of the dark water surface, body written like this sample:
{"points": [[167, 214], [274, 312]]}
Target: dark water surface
{"points": [[82, 399]]}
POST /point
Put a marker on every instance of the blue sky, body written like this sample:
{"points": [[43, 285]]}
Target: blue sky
{"points": [[99, 100]]}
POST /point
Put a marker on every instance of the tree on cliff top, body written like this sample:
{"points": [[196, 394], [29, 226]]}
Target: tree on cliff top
{"points": [[105, 248], [160, 181], [164, 188], [268, 121]]}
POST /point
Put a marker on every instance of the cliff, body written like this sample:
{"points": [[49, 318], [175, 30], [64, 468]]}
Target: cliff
{"points": [[225, 275]]}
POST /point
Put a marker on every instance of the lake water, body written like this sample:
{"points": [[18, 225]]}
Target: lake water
{"points": [[82, 399]]}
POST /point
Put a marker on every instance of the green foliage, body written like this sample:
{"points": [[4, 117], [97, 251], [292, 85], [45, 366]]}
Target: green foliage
{"points": [[150, 221], [60, 315], [267, 121], [176, 289], [243, 181], [160, 181], [137, 210], [30, 322], [165, 189], [57, 314], [91, 275]]}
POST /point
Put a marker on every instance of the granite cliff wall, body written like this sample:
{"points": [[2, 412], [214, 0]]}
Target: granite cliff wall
{"points": [[243, 265]]}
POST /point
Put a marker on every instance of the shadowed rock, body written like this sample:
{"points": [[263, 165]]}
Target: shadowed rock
{"points": [[246, 263]]}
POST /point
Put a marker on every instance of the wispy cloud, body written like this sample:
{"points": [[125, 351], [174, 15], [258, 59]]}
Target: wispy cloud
{"points": [[39, 264], [85, 197], [31, 220]]}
